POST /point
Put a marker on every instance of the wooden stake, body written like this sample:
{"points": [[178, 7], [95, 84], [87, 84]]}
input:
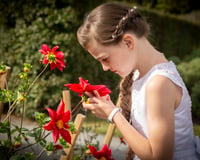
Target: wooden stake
{"points": [[109, 134], [78, 124]]}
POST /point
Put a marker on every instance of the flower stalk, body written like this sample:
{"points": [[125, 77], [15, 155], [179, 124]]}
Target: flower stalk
{"points": [[37, 78]]}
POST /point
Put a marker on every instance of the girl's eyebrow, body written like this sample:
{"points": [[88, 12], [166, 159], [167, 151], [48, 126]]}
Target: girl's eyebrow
{"points": [[99, 57]]}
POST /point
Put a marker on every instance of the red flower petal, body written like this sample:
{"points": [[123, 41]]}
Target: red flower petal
{"points": [[45, 60], [102, 90], [61, 108], [57, 146], [105, 151], [60, 62], [66, 116], [75, 87], [122, 140], [94, 152], [45, 48], [84, 86], [53, 66], [55, 135], [83, 83], [52, 113], [66, 126], [43, 52], [49, 126], [59, 67], [66, 136], [55, 48], [59, 55]]}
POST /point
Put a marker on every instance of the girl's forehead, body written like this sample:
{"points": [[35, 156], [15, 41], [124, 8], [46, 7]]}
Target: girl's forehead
{"points": [[95, 48], [96, 52]]}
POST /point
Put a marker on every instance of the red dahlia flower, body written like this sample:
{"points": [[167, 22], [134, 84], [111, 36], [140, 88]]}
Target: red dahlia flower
{"points": [[56, 59], [104, 154], [58, 123], [84, 86], [122, 140], [57, 147]]}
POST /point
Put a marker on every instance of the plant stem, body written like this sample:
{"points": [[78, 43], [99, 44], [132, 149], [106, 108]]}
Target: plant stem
{"points": [[32, 143], [22, 118], [41, 152], [74, 110], [37, 78], [15, 83], [10, 111]]}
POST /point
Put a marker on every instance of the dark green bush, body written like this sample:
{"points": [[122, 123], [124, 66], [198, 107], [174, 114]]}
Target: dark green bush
{"points": [[55, 23], [55, 27], [171, 35], [191, 76]]}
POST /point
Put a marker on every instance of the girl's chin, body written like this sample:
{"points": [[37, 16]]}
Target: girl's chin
{"points": [[123, 75]]}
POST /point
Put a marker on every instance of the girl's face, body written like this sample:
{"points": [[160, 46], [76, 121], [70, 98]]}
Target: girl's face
{"points": [[118, 58]]}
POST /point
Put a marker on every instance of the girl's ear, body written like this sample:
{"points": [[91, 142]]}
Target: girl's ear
{"points": [[128, 40]]}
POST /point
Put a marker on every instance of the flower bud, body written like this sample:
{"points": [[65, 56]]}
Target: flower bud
{"points": [[87, 152], [17, 144]]}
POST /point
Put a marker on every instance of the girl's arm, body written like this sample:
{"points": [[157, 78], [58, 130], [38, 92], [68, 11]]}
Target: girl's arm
{"points": [[161, 98]]}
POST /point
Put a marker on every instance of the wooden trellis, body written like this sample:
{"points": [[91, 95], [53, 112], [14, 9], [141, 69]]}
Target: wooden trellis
{"points": [[78, 124]]}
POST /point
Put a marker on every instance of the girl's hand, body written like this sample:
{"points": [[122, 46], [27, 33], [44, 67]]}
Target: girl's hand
{"points": [[99, 106]]}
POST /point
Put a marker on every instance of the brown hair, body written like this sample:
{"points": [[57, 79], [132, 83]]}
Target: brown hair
{"points": [[124, 101], [106, 25]]}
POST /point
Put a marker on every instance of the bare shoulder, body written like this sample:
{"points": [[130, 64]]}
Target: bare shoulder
{"points": [[162, 88], [160, 83]]}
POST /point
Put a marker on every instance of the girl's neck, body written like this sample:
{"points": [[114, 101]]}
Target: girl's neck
{"points": [[148, 56]]}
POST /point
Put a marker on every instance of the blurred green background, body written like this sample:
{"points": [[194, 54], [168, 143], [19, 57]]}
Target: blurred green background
{"points": [[26, 25]]}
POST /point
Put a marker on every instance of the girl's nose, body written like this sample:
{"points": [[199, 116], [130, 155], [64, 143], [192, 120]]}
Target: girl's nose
{"points": [[105, 67]]}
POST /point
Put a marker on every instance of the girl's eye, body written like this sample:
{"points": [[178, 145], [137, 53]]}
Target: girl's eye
{"points": [[105, 59]]}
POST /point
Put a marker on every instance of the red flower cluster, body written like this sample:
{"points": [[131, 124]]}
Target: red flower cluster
{"points": [[57, 147], [104, 154], [122, 140], [56, 59], [84, 86], [58, 123]]}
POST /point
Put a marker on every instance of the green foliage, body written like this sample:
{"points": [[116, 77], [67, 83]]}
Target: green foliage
{"points": [[172, 35], [53, 27], [174, 6], [191, 76], [55, 23]]}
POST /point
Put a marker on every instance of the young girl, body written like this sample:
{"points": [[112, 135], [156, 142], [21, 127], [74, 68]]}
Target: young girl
{"points": [[156, 108]]}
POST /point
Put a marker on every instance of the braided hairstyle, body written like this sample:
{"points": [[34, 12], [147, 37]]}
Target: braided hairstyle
{"points": [[124, 101], [106, 24]]}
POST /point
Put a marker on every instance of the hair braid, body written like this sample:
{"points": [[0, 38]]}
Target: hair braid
{"points": [[124, 99]]}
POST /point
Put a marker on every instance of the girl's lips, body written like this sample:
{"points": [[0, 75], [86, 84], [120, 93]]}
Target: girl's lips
{"points": [[114, 71]]}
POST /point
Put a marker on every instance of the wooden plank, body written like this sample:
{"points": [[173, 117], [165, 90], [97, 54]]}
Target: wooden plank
{"points": [[67, 100], [3, 80], [109, 134], [78, 124]]}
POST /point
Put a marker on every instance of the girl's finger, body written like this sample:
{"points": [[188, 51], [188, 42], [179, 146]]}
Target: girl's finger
{"points": [[91, 100], [87, 106], [107, 97], [89, 94], [96, 93]]}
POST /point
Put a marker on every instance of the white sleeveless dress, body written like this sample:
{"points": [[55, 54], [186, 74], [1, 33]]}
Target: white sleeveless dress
{"points": [[186, 145]]}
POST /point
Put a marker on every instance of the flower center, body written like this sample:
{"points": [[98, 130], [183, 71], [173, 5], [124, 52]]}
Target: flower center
{"points": [[51, 57], [59, 124]]}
